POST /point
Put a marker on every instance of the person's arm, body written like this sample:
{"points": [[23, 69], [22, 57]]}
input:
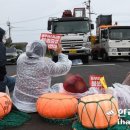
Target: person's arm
{"points": [[63, 65]]}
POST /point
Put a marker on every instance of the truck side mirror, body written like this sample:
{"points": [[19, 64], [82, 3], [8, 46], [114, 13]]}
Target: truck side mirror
{"points": [[96, 41], [49, 25], [104, 40], [92, 26], [106, 37]]}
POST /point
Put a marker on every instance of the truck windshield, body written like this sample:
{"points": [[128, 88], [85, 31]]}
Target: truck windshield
{"points": [[120, 34], [70, 27]]}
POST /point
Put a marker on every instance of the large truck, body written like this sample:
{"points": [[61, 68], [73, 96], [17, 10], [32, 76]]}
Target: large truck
{"points": [[75, 31], [113, 41]]}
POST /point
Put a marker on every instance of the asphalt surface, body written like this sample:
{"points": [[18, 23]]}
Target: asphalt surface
{"points": [[114, 71]]}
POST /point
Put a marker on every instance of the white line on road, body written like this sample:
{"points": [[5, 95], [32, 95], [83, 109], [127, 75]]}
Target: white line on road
{"points": [[94, 65]]}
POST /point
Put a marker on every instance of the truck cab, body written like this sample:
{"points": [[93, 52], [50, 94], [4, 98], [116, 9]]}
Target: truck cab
{"points": [[75, 33], [113, 42]]}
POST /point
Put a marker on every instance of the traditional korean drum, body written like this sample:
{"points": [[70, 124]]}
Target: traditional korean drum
{"points": [[57, 106], [5, 104], [98, 111]]}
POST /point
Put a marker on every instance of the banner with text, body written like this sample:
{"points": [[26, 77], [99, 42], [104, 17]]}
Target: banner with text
{"points": [[51, 39], [97, 81]]}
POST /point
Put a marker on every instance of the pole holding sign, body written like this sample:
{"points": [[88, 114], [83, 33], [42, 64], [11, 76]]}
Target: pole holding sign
{"points": [[103, 82]]}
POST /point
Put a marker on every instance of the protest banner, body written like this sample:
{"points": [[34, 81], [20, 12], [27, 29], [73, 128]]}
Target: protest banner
{"points": [[51, 39], [97, 81]]}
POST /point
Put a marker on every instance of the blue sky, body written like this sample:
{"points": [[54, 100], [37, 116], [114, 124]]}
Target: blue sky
{"points": [[29, 17]]}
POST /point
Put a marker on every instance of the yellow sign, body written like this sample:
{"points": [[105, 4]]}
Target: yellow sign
{"points": [[103, 82], [72, 51]]}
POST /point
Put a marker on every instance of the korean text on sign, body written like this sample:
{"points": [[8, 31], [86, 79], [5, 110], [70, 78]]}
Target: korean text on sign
{"points": [[94, 81], [51, 39]]}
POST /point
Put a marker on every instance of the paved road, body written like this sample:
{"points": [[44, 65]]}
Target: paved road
{"points": [[114, 71]]}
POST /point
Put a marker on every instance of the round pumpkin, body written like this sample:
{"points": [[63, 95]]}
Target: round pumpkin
{"points": [[57, 106], [5, 104], [98, 111]]}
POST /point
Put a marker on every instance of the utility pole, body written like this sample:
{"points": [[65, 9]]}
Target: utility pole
{"points": [[88, 7], [9, 26], [9, 40], [89, 10]]}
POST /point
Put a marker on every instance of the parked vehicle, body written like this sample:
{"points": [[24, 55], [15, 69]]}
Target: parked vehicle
{"points": [[113, 41], [75, 32], [12, 54], [19, 51]]}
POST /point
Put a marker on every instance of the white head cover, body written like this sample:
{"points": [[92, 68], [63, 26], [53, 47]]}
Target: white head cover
{"points": [[36, 49]]}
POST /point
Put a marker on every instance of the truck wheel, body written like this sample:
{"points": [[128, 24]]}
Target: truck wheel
{"points": [[105, 57], [85, 59], [94, 56]]}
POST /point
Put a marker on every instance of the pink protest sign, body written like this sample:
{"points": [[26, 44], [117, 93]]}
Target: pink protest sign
{"points": [[51, 39], [94, 81]]}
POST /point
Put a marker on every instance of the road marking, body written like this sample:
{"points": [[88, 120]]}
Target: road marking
{"points": [[94, 65]]}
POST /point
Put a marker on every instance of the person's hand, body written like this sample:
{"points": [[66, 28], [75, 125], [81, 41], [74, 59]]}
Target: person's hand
{"points": [[58, 50]]}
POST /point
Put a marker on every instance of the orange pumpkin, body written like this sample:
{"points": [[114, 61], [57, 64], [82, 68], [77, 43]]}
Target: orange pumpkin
{"points": [[57, 106], [5, 104], [98, 111]]}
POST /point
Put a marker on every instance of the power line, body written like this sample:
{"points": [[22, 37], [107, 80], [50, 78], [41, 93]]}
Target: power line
{"points": [[34, 19], [37, 18], [31, 30]]}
